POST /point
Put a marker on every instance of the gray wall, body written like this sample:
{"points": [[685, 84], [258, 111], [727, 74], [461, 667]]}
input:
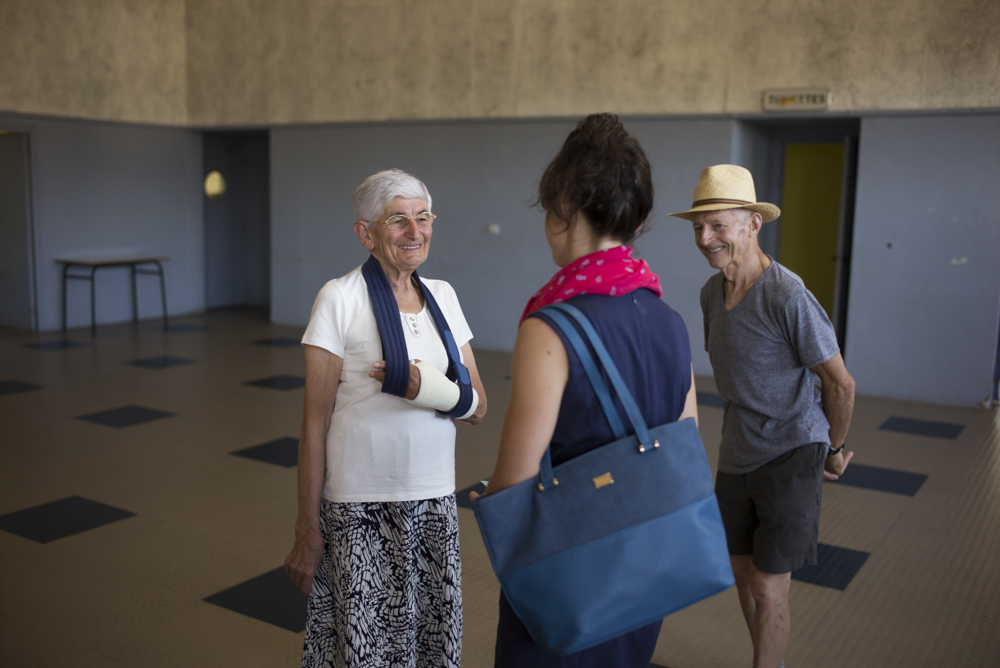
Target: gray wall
{"points": [[922, 319], [479, 173], [923, 313], [237, 225], [108, 189], [922, 323]]}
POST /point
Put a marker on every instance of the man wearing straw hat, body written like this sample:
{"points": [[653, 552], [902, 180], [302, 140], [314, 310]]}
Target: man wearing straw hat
{"points": [[768, 340]]}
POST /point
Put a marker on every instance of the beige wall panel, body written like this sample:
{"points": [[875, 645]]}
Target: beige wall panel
{"points": [[543, 59], [888, 72], [494, 41], [962, 67], [340, 60], [787, 44], [431, 54], [286, 50], [629, 56], [106, 59], [595, 71], [306, 60], [334, 37], [452, 73], [671, 56], [356, 70], [260, 62], [227, 70]]}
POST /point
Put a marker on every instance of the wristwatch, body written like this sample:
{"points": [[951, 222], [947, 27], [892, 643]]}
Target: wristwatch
{"points": [[834, 451]]}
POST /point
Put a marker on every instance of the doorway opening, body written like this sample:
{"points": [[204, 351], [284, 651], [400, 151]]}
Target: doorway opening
{"points": [[809, 169], [18, 291], [237, 219]]}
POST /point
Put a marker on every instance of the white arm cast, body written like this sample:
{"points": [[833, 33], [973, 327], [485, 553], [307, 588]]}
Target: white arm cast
{"points": [[439, 393]]}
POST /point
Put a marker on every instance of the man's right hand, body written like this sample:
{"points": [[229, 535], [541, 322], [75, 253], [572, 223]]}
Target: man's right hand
{"points": [[834, 466], [302, 562]]}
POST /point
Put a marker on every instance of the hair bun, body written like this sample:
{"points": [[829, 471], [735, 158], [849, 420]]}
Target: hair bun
{"points": [[602, 171]]}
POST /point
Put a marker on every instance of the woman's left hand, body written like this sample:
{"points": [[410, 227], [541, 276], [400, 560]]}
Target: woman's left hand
{"points": [[411, 389], [304, 559]]}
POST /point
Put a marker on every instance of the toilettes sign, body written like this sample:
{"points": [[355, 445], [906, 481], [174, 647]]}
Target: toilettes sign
{"points": [[797, 99]]}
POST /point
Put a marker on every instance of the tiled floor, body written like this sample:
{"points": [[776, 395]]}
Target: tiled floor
{"points": [[60, 519], [147, 500], [160, 362], [281, 451]]}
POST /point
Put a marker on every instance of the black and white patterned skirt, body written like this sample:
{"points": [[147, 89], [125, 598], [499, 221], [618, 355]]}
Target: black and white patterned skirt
{"points": [[389, 589]]}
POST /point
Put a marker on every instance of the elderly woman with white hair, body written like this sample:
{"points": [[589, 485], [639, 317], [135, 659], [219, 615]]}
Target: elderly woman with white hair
{"points": [[388, 370]]}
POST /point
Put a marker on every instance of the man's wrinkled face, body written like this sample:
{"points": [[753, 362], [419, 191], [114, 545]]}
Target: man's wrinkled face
{"points": [[724, 236]]}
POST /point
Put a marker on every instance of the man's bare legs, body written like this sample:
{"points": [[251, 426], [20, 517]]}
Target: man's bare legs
{"points": [[764, 599], [743, 572]]}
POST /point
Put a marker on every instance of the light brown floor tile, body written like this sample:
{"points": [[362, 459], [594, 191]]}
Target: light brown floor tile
{"points": [[130, 593]]}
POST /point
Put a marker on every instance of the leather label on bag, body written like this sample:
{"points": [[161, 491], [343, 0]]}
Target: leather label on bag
{"points": [[603, 480]]}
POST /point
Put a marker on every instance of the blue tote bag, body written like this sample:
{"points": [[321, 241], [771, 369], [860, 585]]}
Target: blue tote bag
{"points": [[616, 538]]}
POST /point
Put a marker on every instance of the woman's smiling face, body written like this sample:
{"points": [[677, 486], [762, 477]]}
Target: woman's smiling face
{"points": [[404, 249]]}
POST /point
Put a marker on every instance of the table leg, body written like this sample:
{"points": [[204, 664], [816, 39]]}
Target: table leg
{"points": [[163, 296], [65, 271], [135, 300], [93, 302]]}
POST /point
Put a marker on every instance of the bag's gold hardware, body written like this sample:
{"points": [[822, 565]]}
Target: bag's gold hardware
{"points": [[642, 448], [555, 482], [603, 480]]}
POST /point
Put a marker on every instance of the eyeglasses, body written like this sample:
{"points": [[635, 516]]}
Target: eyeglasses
{"points": [[399, 221]]}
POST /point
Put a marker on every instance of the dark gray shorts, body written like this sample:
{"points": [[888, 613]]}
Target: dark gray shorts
{"points": [[772, 513]]}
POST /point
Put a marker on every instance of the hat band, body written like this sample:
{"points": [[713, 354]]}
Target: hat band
{"points": [[720, 200]]}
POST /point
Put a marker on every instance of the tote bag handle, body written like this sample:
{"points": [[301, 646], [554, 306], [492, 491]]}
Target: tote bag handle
{"points": [[591, 367]]}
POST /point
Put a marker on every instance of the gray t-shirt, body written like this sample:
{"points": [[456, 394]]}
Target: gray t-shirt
{"points": [[761, 355]]}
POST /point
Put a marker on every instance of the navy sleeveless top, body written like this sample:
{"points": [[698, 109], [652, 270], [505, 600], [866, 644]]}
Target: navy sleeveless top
{"points": [[648, 342]]}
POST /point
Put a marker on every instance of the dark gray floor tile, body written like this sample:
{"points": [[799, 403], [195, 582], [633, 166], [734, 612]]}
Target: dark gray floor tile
{"points": [[126, 416], [283, 452], [60, 344], [923, 427], [283, 382], [15, 386], [882, 480], [462, 499], [836, 567], [59, 519], [160, 362], [279, 342], [710, 399], [270, 598], [184, 328]]}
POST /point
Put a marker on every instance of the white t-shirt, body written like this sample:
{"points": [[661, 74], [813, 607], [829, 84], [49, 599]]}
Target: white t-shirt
{"points": [[381, 447]]}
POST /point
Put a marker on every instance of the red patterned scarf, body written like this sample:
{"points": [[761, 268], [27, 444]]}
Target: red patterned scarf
{"points": [[611, 272]]}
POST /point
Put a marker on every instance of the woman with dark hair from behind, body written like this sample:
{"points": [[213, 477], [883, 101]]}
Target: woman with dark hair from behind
{"points": [[597, 194]]}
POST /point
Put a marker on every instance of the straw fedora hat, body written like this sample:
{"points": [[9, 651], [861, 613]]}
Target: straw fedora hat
{"points": [[727, 187]]}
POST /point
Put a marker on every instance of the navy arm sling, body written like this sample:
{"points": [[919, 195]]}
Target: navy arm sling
{"points": [[390, 330]]}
